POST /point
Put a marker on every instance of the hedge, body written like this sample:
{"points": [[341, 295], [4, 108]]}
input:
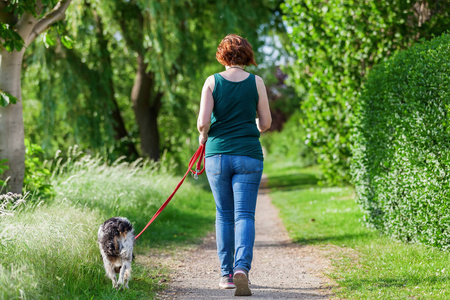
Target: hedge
{"points": [[401, 150]]}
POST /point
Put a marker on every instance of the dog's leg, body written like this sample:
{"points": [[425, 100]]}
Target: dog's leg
{"points": [[121, 274], [124, 274], [127, 273], [127, 256], [109, 268]]}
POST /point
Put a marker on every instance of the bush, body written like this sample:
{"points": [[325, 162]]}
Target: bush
{"points": [[3, 168], [37, 175], [336, 43], [401, 167]]}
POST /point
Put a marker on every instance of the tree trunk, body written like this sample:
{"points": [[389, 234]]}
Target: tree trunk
{"points": [[120, 131], [146, 106], [12, 135], [12, 146]]}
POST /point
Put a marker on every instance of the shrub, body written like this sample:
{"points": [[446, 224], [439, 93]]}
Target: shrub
{"points": [[37, 175], [3, 168], [336, 43], [401, 167]]}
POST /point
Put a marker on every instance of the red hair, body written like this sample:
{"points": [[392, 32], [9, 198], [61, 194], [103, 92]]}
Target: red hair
{"points": [[235, 50]]}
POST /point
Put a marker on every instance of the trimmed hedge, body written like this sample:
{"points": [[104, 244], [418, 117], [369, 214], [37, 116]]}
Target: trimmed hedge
{"points": [[401, 152]]}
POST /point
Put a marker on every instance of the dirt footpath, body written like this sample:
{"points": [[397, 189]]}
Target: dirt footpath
{"points": [[280, 269]]}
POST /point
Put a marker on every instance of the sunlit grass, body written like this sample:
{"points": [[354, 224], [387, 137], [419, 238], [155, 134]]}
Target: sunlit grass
{"points": [[367, 265], [49, 251]]}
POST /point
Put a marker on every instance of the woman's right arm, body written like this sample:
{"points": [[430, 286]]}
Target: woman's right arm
{"points": [[264, 120], [206, 108]]}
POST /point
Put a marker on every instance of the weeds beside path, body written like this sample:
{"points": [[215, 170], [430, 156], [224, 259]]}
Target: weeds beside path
{"points": [[48, 249]]}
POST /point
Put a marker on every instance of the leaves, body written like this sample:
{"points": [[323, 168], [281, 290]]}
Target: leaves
{"points": [[67, 41], [336, 44], [6, 98], [48, 39], [401, 154], [3, 168], [10, 39]]}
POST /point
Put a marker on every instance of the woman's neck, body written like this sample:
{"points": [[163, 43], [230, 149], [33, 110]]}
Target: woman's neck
{"points": [[241, 67]]}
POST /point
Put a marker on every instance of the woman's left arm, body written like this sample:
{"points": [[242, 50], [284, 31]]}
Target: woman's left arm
{"points": [[206, 108]]}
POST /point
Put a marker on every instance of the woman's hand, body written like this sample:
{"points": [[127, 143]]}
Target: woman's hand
{"points": [[202, 139]]}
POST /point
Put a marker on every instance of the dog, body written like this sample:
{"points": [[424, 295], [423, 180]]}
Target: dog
{"points": [[116, 242]]}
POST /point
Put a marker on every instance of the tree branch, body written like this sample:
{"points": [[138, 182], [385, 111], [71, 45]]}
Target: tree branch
{"points": [[56, 14]]}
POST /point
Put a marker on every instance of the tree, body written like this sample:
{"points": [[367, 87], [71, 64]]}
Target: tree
{"points": [[336, 43], [21, 23], [172, 42], [156, 54]]}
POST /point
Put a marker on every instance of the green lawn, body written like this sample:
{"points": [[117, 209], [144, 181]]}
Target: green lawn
{"points": [[368, 264]]}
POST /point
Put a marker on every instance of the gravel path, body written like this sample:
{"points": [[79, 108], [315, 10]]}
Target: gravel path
{"points": [[280, 269]]}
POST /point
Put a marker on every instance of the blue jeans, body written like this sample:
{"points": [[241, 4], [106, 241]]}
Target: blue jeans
{"points": [[234, 181]]}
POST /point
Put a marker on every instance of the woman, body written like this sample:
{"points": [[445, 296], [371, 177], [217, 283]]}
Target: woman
{"points": [[228, 124]]}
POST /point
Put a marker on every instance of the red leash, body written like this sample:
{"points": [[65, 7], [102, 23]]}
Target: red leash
{"points": [[200, 155]]}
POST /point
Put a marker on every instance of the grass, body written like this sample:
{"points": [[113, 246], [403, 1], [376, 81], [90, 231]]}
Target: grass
{"points": [[367, 265], [49, 251]]}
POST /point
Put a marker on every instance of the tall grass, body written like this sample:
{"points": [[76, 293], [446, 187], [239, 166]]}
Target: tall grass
{"points": [[49, 251]]}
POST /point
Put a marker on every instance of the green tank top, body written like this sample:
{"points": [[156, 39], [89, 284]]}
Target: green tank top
{"points": [[233, 128]]}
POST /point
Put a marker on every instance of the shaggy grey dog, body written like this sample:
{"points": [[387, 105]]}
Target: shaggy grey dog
{"points": [[116, 241]]}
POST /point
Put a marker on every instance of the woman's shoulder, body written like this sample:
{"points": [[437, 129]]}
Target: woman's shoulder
{"points": [[210, 81], [258, 79], [259, 82]]}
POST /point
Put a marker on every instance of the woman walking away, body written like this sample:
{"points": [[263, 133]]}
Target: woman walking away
{"points": [[234, 109]]}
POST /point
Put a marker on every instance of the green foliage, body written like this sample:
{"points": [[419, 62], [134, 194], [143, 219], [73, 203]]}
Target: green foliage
{"points": [[37, 175], [10, 39], [336, 43], [68, 94], [3, 168], [290, 142], [6, 98], [401, 166], [19, 7]]}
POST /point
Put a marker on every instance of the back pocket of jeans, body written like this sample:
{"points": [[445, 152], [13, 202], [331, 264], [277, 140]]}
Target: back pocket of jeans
{"points": [[249, 165], [213, 164]]}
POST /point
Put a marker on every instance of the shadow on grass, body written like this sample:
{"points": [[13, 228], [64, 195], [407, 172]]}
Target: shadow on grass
{"points": [[292, 181], [174, 226], [334, 239]]}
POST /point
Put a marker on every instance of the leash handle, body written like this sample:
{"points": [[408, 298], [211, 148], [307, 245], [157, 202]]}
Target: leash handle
{"points": [[198, 155], [199, 171]]}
